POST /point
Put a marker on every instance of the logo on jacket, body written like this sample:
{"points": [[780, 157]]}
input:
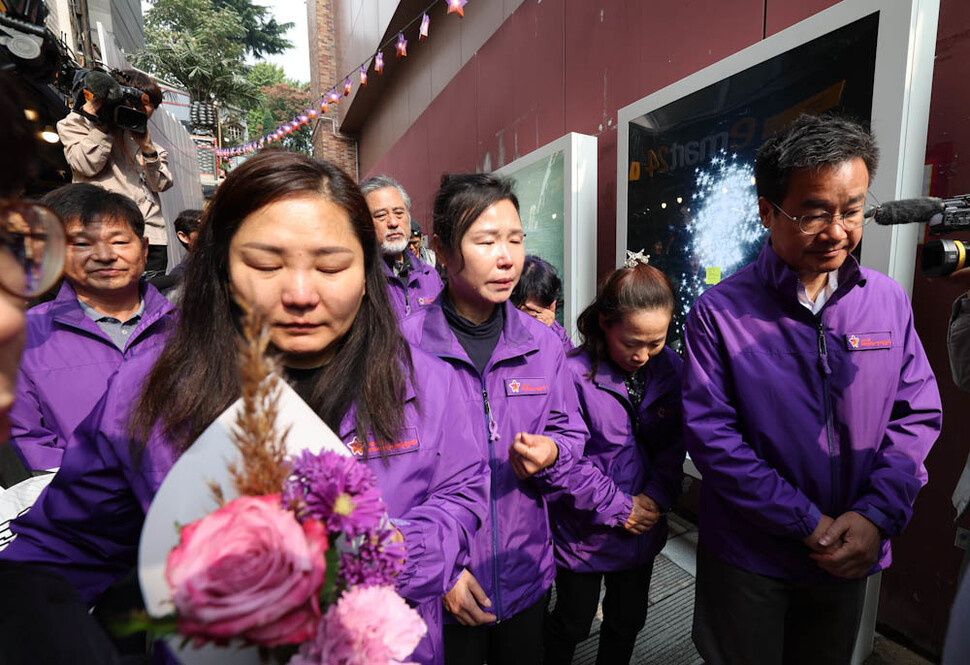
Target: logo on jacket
{"points": [[526, 386], [408, 443], [425, 301], [869, 341]]}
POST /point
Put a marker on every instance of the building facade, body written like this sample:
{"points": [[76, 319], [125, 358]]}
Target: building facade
{"points": [[514, 75]]}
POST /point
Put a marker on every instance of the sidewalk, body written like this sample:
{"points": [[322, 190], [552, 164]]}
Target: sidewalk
{"points": [[665, 640]]}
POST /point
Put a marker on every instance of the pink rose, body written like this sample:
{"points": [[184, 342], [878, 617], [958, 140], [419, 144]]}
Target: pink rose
{"points": [[249, 570]]}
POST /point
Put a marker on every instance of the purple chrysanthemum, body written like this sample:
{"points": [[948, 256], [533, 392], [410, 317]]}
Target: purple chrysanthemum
{"points": [[377, 561], [336, 490]]}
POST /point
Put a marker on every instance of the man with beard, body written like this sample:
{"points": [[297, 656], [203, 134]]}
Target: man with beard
{"points": [[411, 283]]}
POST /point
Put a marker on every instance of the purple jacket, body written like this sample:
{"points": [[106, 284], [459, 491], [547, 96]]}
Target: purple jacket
{"points": [[65, 370], [790, 415], [640, 452], [567, 343], [525, 388], [86, 524], [422, 287]]}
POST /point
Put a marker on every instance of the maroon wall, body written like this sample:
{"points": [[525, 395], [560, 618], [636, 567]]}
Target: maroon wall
{"points": [[918, 590], [549, 71]]}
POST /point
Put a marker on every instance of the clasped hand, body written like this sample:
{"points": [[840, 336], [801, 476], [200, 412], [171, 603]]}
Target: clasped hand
{"points": [[845, 547], [644, 515]]}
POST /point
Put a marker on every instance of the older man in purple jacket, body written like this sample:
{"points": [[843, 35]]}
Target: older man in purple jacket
{"points": [[411, 283], [809, 408], [103, 315]]}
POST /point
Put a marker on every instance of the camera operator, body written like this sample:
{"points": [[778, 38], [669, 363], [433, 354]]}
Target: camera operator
{"points": [[957, 647], [120, 160]]}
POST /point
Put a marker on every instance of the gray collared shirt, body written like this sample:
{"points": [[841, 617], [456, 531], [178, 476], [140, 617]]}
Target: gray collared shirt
{"points": [[119, 331]]}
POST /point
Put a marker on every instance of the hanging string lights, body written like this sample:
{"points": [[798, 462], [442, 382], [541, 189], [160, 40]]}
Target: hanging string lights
{"points": [[332, 96]]}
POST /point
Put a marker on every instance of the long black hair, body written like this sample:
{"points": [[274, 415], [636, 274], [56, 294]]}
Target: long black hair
{"points": [[196, 377]]}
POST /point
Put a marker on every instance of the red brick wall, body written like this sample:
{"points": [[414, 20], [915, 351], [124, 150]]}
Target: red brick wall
{"points": [[327, 142]]}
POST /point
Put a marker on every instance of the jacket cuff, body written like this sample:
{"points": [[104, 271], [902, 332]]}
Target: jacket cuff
{"points": [[809, 524], [624, 506], [414, 547], [887, 525], [658, 493], [553, 474]]}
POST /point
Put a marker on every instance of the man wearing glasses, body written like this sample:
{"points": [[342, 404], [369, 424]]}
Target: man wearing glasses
{"points": [[809, 407]]}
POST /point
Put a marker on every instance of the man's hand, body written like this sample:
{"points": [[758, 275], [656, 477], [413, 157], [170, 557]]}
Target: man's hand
{"points": [[857, 542], [644, 515], [811, 540], [465, 601], [144, 141], [531, 453]]}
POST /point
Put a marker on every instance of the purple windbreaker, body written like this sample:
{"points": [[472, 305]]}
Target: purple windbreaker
{"points": [[65, 369], [86, 524], [789, 415], [640, 452], [567, 343], [422, 288], [525, 388]]}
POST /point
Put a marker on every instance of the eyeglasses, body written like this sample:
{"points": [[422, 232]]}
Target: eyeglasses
{"points": [[814, 223], [31, 248]]}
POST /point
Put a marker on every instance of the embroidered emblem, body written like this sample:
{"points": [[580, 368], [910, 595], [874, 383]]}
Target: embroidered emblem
{"points": [[869, 341], [514, 385], [356, 447]]}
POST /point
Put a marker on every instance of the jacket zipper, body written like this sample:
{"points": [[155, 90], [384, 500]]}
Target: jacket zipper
{"points": [[493, 436], [825, 371]]}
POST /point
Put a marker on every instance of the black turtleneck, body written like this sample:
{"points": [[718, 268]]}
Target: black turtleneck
{"points": [[478, 340]]}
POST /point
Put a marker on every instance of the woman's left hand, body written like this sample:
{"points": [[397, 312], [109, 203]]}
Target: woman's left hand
{"points": [[531, 453]]}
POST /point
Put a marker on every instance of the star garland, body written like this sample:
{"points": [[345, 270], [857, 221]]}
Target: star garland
{"points": [[332, 96]]}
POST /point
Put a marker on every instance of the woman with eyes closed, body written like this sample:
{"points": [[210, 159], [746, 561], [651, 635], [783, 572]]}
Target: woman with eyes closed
{"points": [[292, 237], [629, 396], [513, 375]]}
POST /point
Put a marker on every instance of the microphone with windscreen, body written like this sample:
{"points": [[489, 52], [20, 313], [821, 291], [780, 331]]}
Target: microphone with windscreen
{"points": [[940, 256]]}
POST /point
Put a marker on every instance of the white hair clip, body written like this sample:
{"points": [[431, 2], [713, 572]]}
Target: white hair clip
{"points": [[634, 258]]}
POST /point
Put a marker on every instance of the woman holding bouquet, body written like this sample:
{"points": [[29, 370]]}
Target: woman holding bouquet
{"points": [[513, 374], [293, 238], [629, 395]]}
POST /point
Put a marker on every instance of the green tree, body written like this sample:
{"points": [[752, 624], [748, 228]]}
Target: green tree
{"points": [[200, 48], [263, 35], [282, 102]]}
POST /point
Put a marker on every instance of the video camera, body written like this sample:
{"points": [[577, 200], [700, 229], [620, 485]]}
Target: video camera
{"points": [[941, 256], [122, 105]]}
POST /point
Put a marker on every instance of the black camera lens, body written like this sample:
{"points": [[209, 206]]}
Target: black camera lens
{"points": [[942, 256]]}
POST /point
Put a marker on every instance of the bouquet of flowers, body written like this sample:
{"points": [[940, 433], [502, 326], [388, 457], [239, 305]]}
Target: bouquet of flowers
{"points": [[302, 562]]}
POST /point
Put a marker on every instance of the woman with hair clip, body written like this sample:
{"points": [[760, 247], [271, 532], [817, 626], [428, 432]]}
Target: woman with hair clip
{"points": [[293, 238], [513, 373], [538, 293], [629, 396]]}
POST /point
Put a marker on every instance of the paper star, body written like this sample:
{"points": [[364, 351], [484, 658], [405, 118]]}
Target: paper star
{"points": [[379, 62], [402, 46], [348, 87], [425, 26], [457, 7], [363, 75], [333, 97]]}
